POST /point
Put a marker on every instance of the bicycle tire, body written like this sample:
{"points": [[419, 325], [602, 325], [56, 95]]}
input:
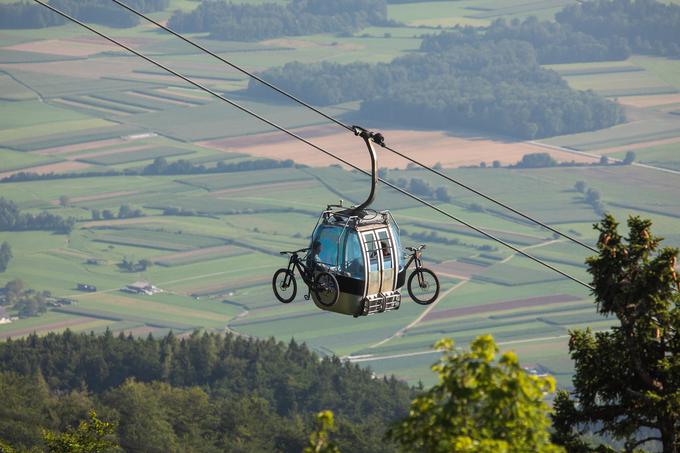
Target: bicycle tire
{"points": [[326, 289], [278, 285], [428, 283]]}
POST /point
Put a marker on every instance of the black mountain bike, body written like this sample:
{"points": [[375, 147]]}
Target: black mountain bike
{"points": [[423, 284], [323, 284]]}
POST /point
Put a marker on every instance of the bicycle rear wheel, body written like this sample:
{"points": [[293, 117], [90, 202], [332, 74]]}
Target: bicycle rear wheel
{"points": [[326, 289], [423, 286]]}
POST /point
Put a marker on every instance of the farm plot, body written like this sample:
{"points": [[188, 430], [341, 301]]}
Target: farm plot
{"points": [[154, 239], [49, 322], [126, 156], [195, 256], [10, 90], [223, 181], [501, 306], [629, 83], [12, 54], [71, 133], [16, 160], [139, 100], [667, 156], [57, 79], [429, 147]]}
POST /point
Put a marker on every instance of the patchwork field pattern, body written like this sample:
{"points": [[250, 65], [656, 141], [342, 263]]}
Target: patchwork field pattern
{"points": [[68, 104]]}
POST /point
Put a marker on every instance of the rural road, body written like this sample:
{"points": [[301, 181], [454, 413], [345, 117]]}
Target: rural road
{"points": [[584, 153]]}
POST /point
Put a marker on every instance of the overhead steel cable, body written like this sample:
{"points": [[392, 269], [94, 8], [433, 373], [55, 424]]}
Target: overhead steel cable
{"points": [[349, 128], [294, 135], [233, 65]]}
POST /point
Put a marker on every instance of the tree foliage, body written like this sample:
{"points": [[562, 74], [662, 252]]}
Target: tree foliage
{"points": [[245, 22], [554, 42], [204, 392], [91, 436], [319, 440], [27, 15], [5, 255], [646, 26], [478, 405], [627, 379], [497, 86], [12, 219]]}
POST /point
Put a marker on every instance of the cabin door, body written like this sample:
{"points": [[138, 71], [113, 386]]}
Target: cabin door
{"points": [[379, 252]]}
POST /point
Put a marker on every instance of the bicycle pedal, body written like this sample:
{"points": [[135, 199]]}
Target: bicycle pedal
{"points": [[306, 296]]}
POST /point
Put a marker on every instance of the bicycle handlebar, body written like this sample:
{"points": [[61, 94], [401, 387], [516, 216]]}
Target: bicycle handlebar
{"points": [[295, 252], [415, 249]]}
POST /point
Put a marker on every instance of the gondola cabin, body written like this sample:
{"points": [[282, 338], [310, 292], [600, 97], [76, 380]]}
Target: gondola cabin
{"points": [[355, 264], [363, 252]]}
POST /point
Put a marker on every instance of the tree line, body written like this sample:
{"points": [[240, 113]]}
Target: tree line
{"points": [[246, 22], [495, 86], [12, 219], [205, 392], [554, 42], [160, 166], [585, 31], [646, 26], [28, 15]]}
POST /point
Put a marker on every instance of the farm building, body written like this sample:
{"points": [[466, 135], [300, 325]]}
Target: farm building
{"points": [[142, 287], [4, 317]]}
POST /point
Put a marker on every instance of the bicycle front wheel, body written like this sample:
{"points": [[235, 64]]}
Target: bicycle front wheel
{"points": [[285, 286], [423, 286]]}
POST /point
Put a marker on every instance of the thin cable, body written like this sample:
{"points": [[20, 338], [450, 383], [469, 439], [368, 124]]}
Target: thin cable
{"points": [[292, 134], [233, 65], [349, 128]]}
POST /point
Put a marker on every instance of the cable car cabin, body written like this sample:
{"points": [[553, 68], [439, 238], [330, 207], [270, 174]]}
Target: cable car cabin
{"points": [[354, 264], [362, 251]]}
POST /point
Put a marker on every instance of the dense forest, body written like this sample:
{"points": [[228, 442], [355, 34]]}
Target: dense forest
{"points": [[30, 15], [205, 392], [586, 31], [648, 26], [245, 22], [496, 86], [554, 42]]}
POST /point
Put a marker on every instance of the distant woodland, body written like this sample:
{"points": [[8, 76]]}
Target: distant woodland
{"points": [[31, 15], [586, 31], [648, 26], [496, 86], [245, 22], [205, 392], [554, 42]]}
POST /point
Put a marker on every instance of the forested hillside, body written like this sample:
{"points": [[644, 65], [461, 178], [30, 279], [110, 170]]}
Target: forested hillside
{"points": [[244, 22], [497, 86], [206, 392]]}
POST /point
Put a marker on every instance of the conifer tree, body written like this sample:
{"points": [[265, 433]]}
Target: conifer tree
{"points": [[627, 379]]}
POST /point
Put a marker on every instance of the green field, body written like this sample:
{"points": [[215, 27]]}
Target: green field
{"points": [[215, 267]]}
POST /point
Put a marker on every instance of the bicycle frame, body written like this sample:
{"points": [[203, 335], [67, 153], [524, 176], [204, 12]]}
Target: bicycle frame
{"points": [[296, 263], [417, 257]]}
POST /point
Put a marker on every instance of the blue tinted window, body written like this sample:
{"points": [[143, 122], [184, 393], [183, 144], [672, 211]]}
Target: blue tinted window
{"points": [[353, 261], [325, 245]]}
